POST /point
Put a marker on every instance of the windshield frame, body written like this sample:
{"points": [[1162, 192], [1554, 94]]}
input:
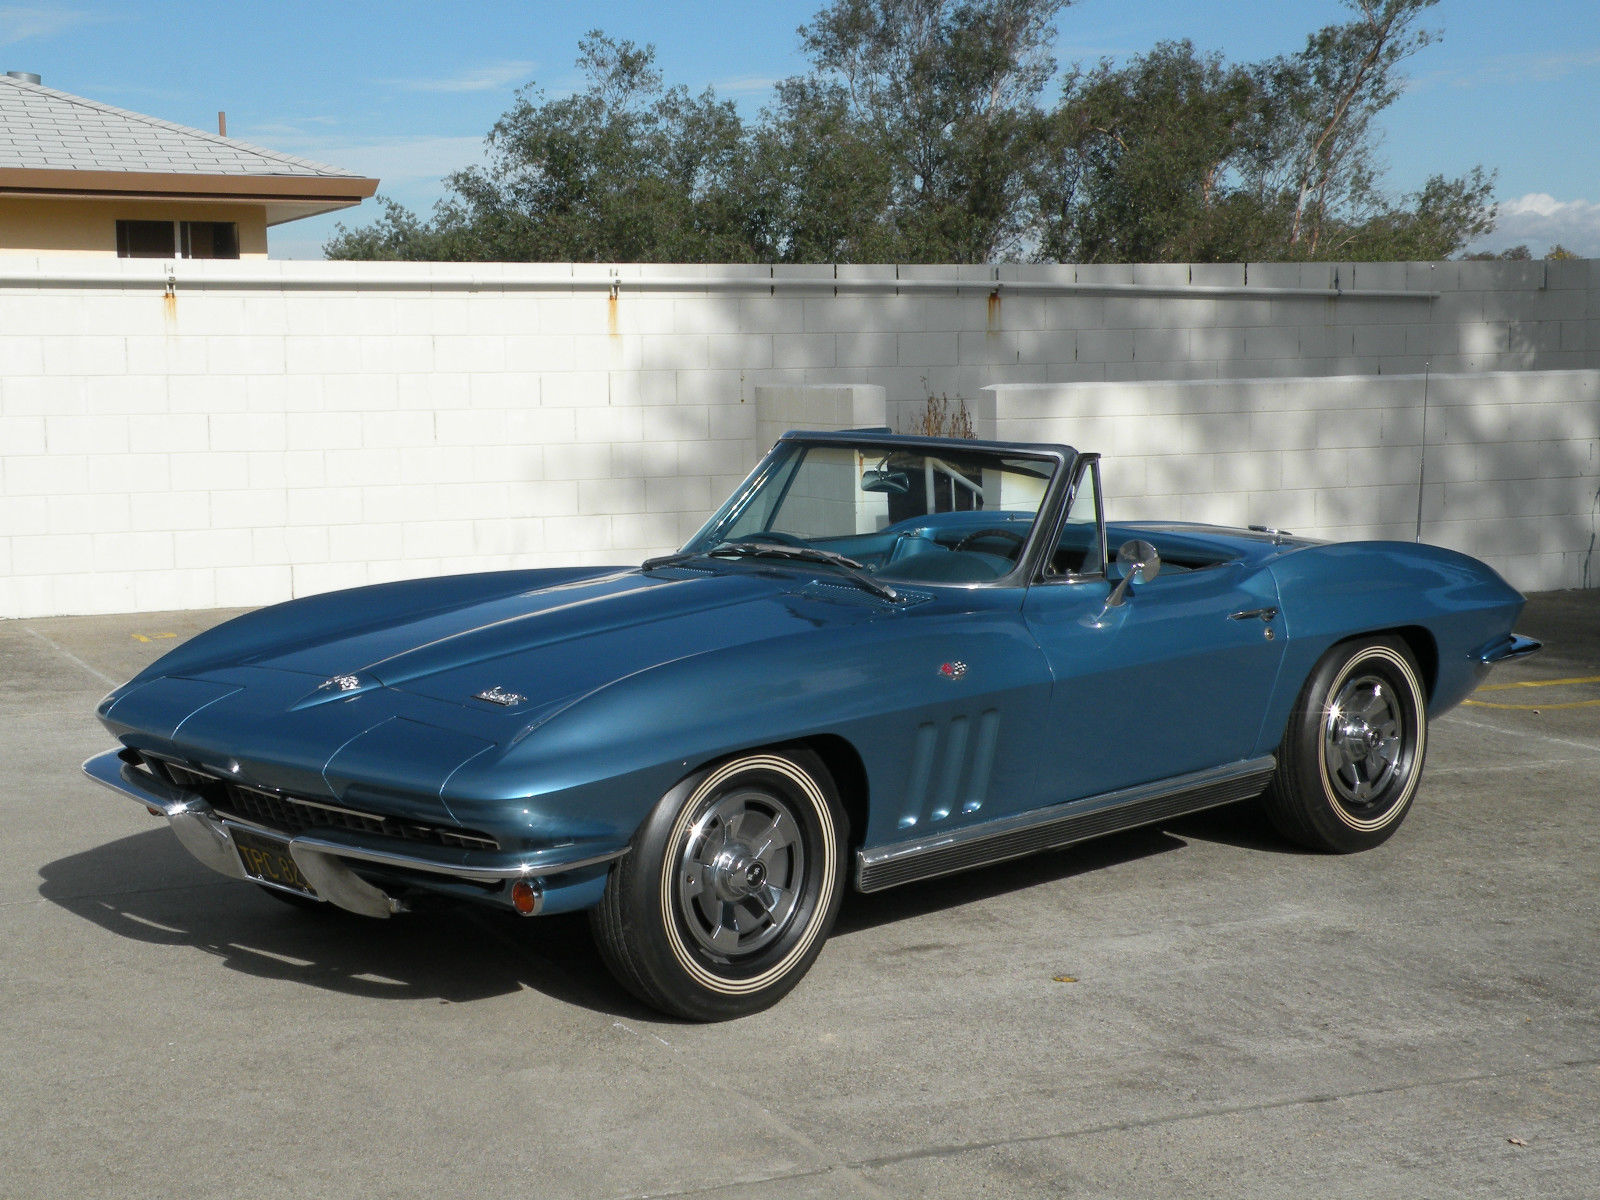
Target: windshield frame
{"points": [[1061, 461]]}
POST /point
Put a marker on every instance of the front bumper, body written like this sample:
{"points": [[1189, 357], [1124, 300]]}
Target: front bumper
{"points": [[328, 858], [1508, 648]]}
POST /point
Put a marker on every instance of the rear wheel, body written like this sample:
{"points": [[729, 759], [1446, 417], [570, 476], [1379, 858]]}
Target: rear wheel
{"points": [[1351, 759], [729, 889]]}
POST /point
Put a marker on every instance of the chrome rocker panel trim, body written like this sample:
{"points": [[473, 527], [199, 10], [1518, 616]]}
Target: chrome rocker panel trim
{"points": [[323, 857], [1060, 825]]}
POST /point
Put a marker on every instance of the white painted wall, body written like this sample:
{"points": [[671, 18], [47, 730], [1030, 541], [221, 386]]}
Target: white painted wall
{"points": [[208, 433], [1511, 472]]}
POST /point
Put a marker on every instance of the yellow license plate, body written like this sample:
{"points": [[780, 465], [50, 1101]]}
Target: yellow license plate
{"points": [[267, 859]]}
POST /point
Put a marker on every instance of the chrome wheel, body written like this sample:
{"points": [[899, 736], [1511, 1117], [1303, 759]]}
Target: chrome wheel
{"points": [[740, 873], [1351, 757], [730, 887], [1362, 740]]}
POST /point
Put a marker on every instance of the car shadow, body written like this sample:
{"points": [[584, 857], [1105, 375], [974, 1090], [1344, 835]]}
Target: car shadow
{"points": [[1244, 825], [450, 955], [861, 912], [458, 954]]}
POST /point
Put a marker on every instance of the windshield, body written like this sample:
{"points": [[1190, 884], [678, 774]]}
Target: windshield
{"points": [[910, 515]]}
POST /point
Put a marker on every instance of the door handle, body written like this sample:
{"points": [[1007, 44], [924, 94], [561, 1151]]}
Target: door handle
{"points": [[1265, 614]]}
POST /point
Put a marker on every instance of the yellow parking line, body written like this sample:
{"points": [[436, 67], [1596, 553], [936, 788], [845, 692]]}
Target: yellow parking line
{"points": [[1538, 683], [1535, 707]]}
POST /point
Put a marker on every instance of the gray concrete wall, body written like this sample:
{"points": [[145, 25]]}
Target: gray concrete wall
{"points": [[192, 434]]}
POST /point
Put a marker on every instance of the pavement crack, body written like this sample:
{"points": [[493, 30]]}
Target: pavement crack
{"points": [[1222, 1110]]}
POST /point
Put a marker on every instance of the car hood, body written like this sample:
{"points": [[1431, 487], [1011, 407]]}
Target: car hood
{"points": [[406, 702], [556, 643]]}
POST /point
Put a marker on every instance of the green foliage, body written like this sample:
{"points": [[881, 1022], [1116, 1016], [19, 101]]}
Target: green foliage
{"points": [[946, 96], [919, 136], [1521, 253], [626, 170], [1144, 159]]}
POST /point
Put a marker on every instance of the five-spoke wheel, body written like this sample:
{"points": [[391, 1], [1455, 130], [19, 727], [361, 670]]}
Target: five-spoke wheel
{"points": [[730, 887], [1352, 756]]}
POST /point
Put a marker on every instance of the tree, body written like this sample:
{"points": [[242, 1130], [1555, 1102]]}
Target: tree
{"points": [[946, 94], [1174, 156], [625, 170], [1432, 223], [1142, 162], [1331, 92], [825, 187], [919, 135]]}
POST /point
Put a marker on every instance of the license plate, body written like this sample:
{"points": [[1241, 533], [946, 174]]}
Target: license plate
{"points": [[267, 859]]}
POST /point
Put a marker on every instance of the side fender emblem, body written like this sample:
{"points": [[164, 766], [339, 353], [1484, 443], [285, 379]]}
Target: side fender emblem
{"points": [[953, 670]]}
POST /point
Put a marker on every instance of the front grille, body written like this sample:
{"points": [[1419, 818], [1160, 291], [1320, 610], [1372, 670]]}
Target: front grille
{"points": [[291, 815]]}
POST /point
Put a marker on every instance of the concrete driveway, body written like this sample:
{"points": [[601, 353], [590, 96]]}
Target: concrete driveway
{"points": [[1241, 1019]]}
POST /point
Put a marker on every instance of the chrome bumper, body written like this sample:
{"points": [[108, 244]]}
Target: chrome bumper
{"points": [[1510, 647], [324, 857]]}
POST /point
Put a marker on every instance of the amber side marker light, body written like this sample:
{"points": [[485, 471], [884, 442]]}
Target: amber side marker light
{"points": [[526, 898]]}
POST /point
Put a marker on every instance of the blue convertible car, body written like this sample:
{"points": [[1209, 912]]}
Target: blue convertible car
{"points": [[884, 659]]}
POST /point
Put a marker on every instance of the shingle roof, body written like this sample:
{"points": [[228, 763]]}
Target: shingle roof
{"points": [[43, 128]]}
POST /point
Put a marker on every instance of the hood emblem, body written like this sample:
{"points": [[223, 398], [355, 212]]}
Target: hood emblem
{"points": [[498, 695], [341, 683], [953, 670]]}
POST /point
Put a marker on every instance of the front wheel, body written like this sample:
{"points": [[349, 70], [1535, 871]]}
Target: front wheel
{"points": [[1351, 758], [729, 889]]}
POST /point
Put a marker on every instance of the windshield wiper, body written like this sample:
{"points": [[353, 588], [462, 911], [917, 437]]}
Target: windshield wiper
{"points": [[670, 560], [755, 548]]}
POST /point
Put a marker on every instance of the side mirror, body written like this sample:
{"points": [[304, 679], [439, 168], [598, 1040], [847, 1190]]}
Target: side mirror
{"points": [[1140, 563]]}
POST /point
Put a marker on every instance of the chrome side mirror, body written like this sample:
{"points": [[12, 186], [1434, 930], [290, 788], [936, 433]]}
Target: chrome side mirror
{"points": [[1140, 563]]}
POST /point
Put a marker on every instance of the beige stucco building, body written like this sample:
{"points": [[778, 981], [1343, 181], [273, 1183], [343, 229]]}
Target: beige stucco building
{"points": [[78, 176]]}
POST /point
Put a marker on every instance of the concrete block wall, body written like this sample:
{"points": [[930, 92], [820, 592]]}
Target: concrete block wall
{"points": [[1507, 463], [780, 408], [191, 434]]}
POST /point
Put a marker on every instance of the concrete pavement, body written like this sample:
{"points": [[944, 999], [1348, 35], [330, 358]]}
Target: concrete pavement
{"points": [[1244, 1020]]}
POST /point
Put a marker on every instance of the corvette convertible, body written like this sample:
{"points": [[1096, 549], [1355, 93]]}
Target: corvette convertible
{"points": [[884, 659]]}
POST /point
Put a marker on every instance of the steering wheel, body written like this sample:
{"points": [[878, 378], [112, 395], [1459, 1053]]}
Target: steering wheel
{"points": [[995, 532]]}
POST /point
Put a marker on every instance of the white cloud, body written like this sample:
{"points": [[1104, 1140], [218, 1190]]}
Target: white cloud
{"points": [[19, 24], [1540, 221], [1508, 69], [744, 84], [391, 160], [490, 77]]}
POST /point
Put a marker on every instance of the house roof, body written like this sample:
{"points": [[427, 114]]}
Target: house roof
{"points": [[56, 144]]}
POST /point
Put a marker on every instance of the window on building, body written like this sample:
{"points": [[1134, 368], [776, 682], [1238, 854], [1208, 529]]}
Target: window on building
{"points": [[177, 239], [146, 239], [210, 239]]}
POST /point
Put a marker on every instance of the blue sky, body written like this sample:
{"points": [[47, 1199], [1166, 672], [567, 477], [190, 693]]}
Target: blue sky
{"points": [[406, 91]]}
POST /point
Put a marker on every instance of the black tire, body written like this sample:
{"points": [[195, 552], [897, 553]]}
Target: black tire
{"points": [[1351, 758], [729, 888]]}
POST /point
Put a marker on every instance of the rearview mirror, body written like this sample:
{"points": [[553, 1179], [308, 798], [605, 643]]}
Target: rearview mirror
{"points": [[897, 483]]}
